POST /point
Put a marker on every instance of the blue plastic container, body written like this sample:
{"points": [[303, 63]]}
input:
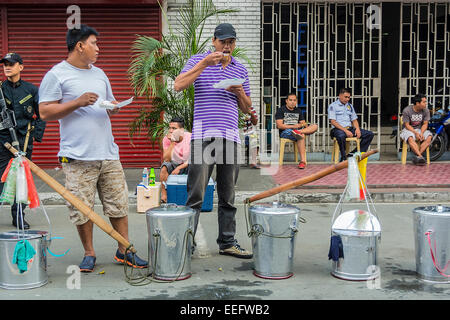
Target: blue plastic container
{"points": [[177, 191]]}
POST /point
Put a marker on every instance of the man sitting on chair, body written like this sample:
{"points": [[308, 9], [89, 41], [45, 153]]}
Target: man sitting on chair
{"points": [[415, 125], [344, 122], [292, 125], [177, 147]]}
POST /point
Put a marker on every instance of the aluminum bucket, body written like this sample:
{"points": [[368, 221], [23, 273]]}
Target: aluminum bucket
{"points": [[170, 228], [273, 230], [432, 243], [360, 232], [36, 274]]}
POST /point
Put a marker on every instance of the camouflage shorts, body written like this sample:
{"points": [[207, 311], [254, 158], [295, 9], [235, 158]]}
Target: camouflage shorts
{"points": [[84, 178]]}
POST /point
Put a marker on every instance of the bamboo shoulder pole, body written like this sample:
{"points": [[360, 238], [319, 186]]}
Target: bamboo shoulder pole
{"points": [[305, 180], [75, 201]]}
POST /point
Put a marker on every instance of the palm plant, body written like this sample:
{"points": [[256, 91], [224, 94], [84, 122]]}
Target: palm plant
{"points": [[155, 65]]}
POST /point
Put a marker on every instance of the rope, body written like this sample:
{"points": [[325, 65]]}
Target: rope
{"points": [[142, 280], [441, 271]]}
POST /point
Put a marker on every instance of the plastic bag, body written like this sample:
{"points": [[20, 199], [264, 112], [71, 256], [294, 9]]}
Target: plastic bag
{"points": [[5, 173], [9, 189], [353, 178], [21, 184], [32, 192]]}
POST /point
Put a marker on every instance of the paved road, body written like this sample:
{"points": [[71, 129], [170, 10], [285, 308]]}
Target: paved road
{"points": [[216, 277]]}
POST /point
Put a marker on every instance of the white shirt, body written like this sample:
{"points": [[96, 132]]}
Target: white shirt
{"points": [[86, 133]]}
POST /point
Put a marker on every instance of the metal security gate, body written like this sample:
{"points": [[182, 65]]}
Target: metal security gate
{"points": [[424, 53], [315, 49]]}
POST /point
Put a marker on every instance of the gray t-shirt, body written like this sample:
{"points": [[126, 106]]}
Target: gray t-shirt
{"points": [[415, 119], [86, 133]]}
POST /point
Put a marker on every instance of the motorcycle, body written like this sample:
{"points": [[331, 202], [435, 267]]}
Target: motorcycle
{"points": [[394, 122], [439, 125]]}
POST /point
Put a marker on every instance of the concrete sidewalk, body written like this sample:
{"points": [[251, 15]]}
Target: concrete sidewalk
{"points": [[388, 181]]}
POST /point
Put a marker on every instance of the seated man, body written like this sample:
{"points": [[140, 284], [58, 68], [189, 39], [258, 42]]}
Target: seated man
{"points": [[176, 146], [345, 124], [292, 125], [415, 125]]}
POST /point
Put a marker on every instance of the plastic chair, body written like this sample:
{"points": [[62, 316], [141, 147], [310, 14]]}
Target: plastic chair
{"points": [[283, 142], [405, 146], [335, 153]]}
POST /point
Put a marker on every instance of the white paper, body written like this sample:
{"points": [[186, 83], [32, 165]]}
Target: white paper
{"points": [[228, 82], [108, 105], [124, 103]]}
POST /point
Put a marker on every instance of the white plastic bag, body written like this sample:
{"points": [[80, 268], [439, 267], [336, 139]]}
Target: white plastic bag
{"points": [[353, 178], [21, 185]]}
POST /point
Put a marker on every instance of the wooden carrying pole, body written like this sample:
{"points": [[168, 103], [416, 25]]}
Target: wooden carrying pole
{"points": [[305, 180], [75, 201]]}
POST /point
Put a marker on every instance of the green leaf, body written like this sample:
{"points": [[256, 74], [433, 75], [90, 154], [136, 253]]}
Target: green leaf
{"points": [[155, 65]]}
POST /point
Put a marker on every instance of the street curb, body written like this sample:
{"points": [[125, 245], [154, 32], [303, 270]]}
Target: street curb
{"points": [[53, 198]]}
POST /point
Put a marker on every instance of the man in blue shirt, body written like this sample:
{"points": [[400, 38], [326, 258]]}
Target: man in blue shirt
{"points": [[344, 122]]}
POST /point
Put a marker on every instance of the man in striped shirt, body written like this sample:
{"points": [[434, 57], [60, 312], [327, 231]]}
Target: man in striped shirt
{"points": [[215, 133]]}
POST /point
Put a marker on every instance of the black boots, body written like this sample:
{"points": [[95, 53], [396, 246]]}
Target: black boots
{"points": [[17, 219]]}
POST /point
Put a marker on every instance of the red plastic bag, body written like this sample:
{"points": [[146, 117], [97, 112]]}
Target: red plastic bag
{"points": [[32, 192], [5, 173]]}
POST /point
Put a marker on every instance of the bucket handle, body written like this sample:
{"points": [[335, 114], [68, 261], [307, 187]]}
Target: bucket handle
{"points": [[258, 229], [147, 279], [433, 258]]}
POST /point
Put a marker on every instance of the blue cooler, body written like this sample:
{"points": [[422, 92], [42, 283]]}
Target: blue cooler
{"points": [[177, 191]]}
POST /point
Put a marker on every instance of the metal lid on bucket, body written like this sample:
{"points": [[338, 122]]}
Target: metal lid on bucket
{"points": [[359, 221], [438, 210], [170, 210], [27, 234], [274, 208]]}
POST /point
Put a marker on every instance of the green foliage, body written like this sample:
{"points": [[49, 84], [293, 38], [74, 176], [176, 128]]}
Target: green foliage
{"points": [[155, 65]]}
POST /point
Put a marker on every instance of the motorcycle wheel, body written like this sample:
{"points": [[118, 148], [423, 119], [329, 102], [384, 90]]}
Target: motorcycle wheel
{"points": [[438, 147]]}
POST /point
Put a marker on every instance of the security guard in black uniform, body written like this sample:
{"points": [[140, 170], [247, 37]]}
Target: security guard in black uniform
{"points": [[22, 97]]}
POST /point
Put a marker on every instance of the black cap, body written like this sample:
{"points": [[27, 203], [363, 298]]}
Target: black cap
{"points": [[12, 57], [224, 31]]}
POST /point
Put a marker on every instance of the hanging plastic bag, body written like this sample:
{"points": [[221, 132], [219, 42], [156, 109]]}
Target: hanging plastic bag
{"points": [[21, 185], [362, 165], [353, 178], [9, 189], [5, 173], [32, 192]]}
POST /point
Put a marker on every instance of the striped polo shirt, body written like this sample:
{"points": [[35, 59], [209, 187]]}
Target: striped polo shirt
{"points": [[216, 110]]}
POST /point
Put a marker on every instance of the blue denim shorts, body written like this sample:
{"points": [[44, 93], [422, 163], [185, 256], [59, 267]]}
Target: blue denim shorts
{"points": [[287, 134]]}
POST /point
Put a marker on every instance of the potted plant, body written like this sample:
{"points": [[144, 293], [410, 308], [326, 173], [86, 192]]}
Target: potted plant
{"points": [[155, 65]]}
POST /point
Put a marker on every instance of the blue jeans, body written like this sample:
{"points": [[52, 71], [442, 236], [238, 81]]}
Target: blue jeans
{"points": [[366, 139], [287, 134]]}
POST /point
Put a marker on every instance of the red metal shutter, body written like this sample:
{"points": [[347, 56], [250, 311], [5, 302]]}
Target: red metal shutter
{"points": [[37, 33]]}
